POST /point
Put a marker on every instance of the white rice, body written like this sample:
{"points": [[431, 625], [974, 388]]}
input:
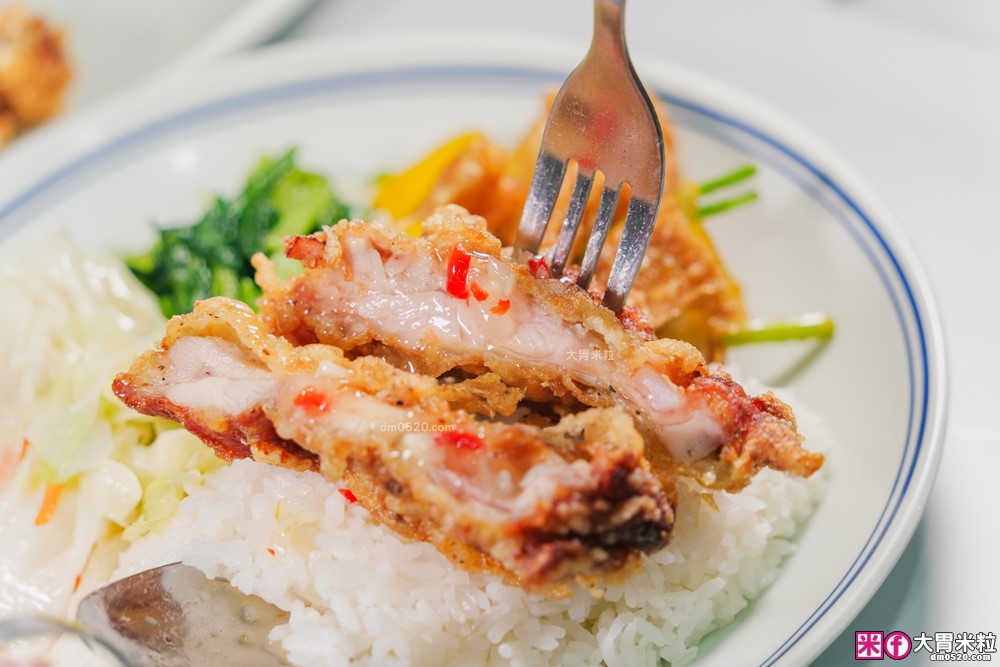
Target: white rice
{"points": [[358, 594]]}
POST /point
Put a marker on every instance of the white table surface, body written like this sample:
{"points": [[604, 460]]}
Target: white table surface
{"points": [[909, 92]]}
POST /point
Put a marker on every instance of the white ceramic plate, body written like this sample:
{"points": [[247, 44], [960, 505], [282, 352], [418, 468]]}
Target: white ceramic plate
{"points": [[115, 45], [817, 241]]}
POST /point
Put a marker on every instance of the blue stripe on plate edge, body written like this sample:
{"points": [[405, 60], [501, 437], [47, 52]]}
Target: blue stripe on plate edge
{"points": [[891, 509], [261, 98]]}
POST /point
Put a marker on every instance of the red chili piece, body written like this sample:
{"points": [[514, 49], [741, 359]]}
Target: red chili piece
{"points": [[539, 267], [502, 307], [460, 440], [312, 400], [458, 273], [348, 496], [478, 292]]}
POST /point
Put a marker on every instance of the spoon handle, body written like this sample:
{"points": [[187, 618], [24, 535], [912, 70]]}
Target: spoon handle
{"points": [[26, 627]]}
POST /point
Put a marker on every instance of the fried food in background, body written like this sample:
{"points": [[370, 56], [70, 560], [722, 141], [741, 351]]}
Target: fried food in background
{"points": [[34, 71], [683, 285]]}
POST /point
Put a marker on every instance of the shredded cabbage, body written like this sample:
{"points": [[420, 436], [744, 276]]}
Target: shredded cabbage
{"points": [[71, 322]]}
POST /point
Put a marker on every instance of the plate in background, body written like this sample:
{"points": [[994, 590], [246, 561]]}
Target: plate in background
{"points": [[114, 45]]}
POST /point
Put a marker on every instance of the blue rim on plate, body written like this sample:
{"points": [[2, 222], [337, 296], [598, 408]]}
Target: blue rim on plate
{"points": [[693, 115]]}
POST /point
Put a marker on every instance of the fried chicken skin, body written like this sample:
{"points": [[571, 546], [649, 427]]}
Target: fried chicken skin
{"points": [[543, 506], [451, 300], [683, 288], [34, 71]]}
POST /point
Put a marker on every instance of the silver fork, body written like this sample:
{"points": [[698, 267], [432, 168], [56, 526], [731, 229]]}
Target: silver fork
{"points": [[603, 120]]}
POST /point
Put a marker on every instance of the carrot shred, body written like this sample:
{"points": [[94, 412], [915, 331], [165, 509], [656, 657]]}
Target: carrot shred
{"points": [[76, 584], [348, 495], [502, 307], [270, 551], [50, 501], [9, 460]]}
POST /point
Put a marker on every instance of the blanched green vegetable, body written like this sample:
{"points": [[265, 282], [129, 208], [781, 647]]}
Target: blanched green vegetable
{"points": [[735, 176], [813, 326], [212, 256], [691, 196], [726, 204]]}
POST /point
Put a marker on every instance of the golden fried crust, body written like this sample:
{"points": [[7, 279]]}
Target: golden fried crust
{"points": [[754, 432], [391, 502], [34, 77], [8, 125], [485, 394], [683, 288], [682, 284], [231, 436], [593, 509]]}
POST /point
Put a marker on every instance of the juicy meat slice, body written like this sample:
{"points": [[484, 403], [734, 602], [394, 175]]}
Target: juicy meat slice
{"points": [[214, 389], [451, 300], [545, 506], [683, 287]]}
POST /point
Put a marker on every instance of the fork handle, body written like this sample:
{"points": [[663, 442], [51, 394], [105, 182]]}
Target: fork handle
{"points": [[609, 28]]}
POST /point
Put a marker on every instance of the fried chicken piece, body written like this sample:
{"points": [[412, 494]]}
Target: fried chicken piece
{"points": [[450, 300], [683, 287], [34, 71], [544, 507]]}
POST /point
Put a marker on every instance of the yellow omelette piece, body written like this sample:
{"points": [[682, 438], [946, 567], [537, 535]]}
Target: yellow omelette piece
{"points": [[401, 194]]}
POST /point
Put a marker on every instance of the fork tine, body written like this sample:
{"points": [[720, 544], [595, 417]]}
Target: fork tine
{"points": [[545, 185], [574, 215], [639, 222], [602, 224]]}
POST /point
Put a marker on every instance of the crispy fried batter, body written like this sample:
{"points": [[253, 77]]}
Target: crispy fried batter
{"points": [[682, 284], [542, 506], [683, 287], [34, 71], [373, 290]]}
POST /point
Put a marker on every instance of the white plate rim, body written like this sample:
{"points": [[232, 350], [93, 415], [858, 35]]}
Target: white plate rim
{"points": [[116, 126], [255, 23]]}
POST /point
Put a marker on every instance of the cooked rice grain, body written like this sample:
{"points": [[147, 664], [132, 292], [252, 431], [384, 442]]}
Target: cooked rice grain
{"points": [[358, 594]]}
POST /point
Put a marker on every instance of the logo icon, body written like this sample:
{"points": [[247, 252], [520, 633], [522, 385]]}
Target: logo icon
{"points": [[868, 646], [897, 645]]}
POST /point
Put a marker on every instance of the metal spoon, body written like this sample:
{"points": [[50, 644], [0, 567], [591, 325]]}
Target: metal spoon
{"points": [[171, 616]]}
